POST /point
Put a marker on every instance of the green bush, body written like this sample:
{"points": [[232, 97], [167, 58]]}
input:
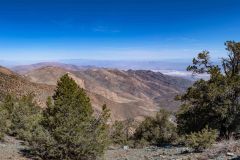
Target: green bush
{"points": [[201, 140], [19, 116], [68, 129], [119, 133], [156, 130], [23, 116], [3, 122]]}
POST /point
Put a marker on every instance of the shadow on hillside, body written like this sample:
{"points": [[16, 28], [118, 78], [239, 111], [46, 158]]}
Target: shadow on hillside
{"points": [[27, 153]]}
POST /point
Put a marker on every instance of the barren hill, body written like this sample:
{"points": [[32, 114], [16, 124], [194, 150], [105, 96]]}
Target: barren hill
{"points": [[129, 94], [12, 83], [23, 69]]}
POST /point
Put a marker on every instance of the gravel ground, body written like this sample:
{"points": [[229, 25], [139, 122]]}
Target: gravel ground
{"points": [[173, 153], [11, 148], [150, 153]]}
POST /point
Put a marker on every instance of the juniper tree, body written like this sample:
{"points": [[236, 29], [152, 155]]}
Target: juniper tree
{"points": [[69, 131], [214, 102]]}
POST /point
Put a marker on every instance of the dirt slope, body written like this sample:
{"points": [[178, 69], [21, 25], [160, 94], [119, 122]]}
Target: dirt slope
{"points": [[129, 94]]}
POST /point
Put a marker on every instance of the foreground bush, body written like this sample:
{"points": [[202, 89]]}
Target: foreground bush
{"points": [[20, 117], [25, 117], [68, 129], [4, 116], [3, 122], [156, 131], [118, 134], [201, 140], [121, 132]]}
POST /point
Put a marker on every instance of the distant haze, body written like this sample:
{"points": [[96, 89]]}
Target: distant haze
{"points": [[118, 64], [169, 67]]}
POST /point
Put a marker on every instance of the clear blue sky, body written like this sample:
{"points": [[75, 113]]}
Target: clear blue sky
{"points": [[116, 29]]}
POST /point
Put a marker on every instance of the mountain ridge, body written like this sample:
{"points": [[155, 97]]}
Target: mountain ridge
{"points": [[128, 94]]}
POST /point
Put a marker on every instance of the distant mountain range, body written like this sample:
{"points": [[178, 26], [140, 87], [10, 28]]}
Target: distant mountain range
{"points": [[131, 64], [128, 93], [172, 64], [168, 67], [172, 67]]}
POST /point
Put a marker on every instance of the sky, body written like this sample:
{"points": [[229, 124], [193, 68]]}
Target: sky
{"points": [[116, 29]]}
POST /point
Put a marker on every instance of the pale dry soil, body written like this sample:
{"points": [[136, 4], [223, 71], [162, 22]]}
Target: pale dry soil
{"points": [[12, 149], [220, 151]]}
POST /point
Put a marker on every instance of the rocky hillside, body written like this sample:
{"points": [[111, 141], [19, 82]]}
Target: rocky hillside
{"points": [[129, 94], [12, 83], [26, 68]]}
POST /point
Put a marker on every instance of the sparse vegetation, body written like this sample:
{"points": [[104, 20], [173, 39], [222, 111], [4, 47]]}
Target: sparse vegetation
{"points": [[214, 102], [156, 130], [68, 129], [120, 132], [21, 116], [25, 116], [201, 140], [3, 122]]}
